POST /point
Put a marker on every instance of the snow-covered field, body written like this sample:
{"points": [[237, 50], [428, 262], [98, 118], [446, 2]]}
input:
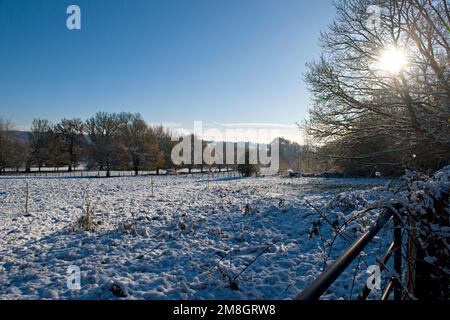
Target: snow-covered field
{"points": [[187, 241]]}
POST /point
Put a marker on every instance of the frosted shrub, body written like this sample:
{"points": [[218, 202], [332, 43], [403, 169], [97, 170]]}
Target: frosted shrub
{"points": [[422, 207], [86, 221], [133, 228]]}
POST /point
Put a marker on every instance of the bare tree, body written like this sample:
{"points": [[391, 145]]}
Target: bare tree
{"points": [[13, 151], [41, 130], [70, 133], [141, 143], [105, 150], [165, 144], [368, 114], [4, 144]]}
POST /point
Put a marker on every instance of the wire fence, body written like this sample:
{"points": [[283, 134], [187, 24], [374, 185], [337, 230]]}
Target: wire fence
{"points": [[213, 174]]}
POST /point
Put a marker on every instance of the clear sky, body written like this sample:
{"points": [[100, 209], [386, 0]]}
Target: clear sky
{"points": [[173, 61]]}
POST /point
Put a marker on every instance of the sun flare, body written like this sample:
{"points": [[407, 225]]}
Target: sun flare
{"points": [[393, 60]]}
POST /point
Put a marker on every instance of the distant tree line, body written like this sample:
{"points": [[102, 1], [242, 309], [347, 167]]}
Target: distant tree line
{"points": [[116, 141], [107, 141]]}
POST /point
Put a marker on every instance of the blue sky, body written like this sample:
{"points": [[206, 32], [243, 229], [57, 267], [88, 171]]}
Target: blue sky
{"points": [[173, 61]]}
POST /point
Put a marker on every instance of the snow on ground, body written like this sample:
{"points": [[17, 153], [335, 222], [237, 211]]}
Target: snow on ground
{"points": [[188, 241]]}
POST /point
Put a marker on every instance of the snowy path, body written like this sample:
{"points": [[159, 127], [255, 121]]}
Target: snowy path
{"points": [[194, 239]]}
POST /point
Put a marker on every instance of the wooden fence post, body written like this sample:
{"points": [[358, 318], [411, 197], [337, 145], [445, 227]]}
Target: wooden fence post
{"points": [[151, 182], [27, 193], [398, 256]]}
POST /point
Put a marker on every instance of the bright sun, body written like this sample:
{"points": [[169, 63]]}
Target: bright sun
{"points": [[392, 60]]}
